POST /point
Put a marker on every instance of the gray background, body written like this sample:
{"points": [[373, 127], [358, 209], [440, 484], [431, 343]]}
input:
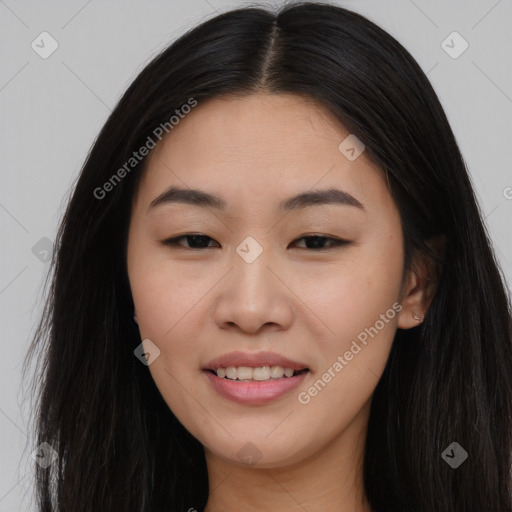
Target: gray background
{"points": [[52, 109]]}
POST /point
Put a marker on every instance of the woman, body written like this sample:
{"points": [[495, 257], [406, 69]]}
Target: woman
{"points": [[273, 288]]}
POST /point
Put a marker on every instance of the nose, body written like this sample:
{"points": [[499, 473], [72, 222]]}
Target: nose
{"points": [[253, 296]]}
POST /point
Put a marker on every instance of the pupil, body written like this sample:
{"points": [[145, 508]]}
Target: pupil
{"points": [[195, 237], [318, 241]]}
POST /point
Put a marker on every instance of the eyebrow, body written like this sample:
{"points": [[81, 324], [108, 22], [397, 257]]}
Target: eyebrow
{"points": [[307, 199]]}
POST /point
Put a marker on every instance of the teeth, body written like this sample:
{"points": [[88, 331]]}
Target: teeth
{"points": [[260, 373]]}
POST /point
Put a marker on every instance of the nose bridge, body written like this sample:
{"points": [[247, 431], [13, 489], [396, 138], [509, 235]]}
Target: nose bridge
{"points": [[253, 296], [251, 261]]}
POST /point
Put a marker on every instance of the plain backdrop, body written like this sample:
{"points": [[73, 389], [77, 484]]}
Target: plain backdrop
{"points": [[52, 109]]}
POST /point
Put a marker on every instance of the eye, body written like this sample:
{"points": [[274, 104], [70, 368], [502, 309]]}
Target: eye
{"points": [[200, 241], [197, 241], [317, 242]]}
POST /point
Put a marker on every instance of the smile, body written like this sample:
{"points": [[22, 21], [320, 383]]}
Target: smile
{"points": [[253, 391], [261, 373]]}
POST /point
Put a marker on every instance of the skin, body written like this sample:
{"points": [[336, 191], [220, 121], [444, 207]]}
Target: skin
{"points": [[305, 303]]}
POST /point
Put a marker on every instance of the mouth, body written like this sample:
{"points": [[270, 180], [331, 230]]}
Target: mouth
{"points": [[256, 374], [255, 366], [255, 378], [255, 386]]}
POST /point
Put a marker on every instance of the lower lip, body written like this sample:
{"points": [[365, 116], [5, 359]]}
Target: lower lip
{"points": [[254, 392]]}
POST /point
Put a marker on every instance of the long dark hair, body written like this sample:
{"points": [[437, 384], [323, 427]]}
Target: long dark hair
{"points": [[448, 380]]}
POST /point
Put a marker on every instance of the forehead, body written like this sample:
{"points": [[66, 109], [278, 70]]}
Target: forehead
{"points": [[260, 148]]}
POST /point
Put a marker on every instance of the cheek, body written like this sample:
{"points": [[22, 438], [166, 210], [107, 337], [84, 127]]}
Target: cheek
{"points": [[162, 293], [171, 299], [357, 303], [166, 304], [360, 309], [351, 294], [165, 300]]}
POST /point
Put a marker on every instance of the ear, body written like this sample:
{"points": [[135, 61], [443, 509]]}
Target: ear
{"points": [[421, 285], [136, 320]]}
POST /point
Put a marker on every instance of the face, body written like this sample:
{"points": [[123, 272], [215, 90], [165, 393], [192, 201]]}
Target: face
{"points": [[304, 284]]}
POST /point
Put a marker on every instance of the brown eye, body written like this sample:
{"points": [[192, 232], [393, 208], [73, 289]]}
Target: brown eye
{"points": [[195, 241], [317, 242]]}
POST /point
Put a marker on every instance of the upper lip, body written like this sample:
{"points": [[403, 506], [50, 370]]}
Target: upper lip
{"points": [[253, 360]]}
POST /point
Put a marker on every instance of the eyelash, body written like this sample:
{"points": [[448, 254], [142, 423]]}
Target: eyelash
{"points": [[335, 242]]}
